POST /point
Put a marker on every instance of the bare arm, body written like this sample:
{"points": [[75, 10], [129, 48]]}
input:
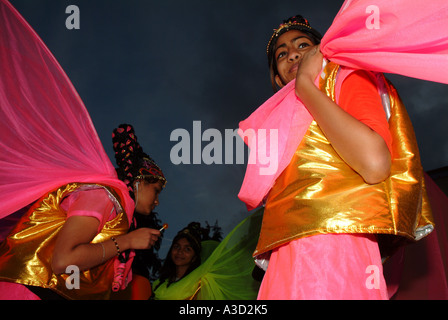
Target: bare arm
{"points": [[361, 148], [73, 245]]}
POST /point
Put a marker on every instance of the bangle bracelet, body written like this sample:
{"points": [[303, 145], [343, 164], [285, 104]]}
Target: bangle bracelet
{"points": [[116, 245]]}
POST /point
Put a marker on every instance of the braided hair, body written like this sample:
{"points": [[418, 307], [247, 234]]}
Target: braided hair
{"points": [[133, 164]]}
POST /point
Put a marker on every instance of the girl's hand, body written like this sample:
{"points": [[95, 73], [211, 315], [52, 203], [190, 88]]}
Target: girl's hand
{"points": [[310, 66], [142, 238]]}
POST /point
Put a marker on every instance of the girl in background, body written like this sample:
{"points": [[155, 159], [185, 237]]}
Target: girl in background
{"points": [[183, 257]]}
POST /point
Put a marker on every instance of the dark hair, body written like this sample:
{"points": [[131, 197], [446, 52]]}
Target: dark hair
{"points": [[131, 159], [147, 262], [293, 23], [193, 235]]}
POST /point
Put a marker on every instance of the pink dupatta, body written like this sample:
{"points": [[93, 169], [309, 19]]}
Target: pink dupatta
{"points": [[406, 37], [47, 136]]}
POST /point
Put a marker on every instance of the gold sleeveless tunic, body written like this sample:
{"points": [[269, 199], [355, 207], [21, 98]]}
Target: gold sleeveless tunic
{"points": [[319, 193], [25, 255]]}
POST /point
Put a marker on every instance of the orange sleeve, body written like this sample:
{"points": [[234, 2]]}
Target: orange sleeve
{"points": [[360, 98]]}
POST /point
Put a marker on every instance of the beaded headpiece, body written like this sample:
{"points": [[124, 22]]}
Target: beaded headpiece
{"points": [[193, 233], [294, 23], [133, 164]]}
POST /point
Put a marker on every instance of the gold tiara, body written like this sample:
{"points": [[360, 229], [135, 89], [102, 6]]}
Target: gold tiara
{"points": [[282, 27]]}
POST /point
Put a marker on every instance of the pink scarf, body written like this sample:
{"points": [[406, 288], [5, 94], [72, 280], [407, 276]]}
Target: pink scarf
{"points": [[406, 37], [47, 136]]}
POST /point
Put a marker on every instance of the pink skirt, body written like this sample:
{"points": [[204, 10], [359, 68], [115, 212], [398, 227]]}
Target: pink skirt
{"points": [[325, 267]]}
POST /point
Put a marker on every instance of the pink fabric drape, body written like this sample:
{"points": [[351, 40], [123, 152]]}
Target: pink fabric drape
{"points": [[406, 37], [47, 136], [282, 113]]}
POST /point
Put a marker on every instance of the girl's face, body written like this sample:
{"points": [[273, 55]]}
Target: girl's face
{"points": [[147, 196], [288, 53], [182, 253]]}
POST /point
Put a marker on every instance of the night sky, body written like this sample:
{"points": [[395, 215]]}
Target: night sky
{"points": [[160, 66]]}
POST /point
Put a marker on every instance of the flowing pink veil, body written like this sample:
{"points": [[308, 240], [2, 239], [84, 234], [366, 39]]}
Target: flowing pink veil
{"points": [[47, 138], [406, 37]]}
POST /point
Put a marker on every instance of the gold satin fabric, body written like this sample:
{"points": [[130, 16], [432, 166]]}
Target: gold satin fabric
{"points": [[319, 193], [25, 255]]}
